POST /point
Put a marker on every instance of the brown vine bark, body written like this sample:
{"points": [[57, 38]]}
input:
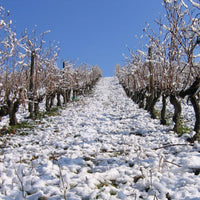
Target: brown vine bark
{"points": [[58, 98], [31, 85], [191, 92], [36, 105], [12, 109], [142, 99], [3, 111], [163, 111], [196, 107], [192, 89], [153, 103], [177, 112]]}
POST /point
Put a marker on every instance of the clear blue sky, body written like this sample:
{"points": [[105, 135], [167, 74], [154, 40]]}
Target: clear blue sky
{"points": [[92, 31]]}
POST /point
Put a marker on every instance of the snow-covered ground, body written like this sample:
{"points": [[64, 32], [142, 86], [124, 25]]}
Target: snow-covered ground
{"points": [[100, 147]]}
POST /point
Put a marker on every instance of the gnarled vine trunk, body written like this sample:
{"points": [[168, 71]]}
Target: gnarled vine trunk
{"points": [[191, 92], [31, 85], [58, 98], [196, 107], [153, 103], [163, 111], [3, 111], [36, 105], [12, 109], [142, 99], [177, 112]]}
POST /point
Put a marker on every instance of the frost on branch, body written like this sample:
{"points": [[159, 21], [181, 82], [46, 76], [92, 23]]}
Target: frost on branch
{"points": [[195, 4]]}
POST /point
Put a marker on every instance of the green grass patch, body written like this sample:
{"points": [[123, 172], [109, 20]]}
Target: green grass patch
{"points": [[18, 128], [23, 125], [157, 113], [23, 133], [114, 183], [113, 193], [183, 128], [53, 112]]}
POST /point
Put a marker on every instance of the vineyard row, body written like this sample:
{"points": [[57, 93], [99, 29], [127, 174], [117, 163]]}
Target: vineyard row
{"points": [[168, 66], [29, 73]]}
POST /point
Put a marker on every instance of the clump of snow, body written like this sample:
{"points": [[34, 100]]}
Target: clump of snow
{"points": [[100, 147]]}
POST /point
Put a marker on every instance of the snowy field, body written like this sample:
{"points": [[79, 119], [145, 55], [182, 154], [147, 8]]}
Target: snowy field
{"points": [[100, 147]]}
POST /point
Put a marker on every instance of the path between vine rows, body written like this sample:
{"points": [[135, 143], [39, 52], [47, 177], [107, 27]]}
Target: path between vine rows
{"points": [[99, 147]]}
